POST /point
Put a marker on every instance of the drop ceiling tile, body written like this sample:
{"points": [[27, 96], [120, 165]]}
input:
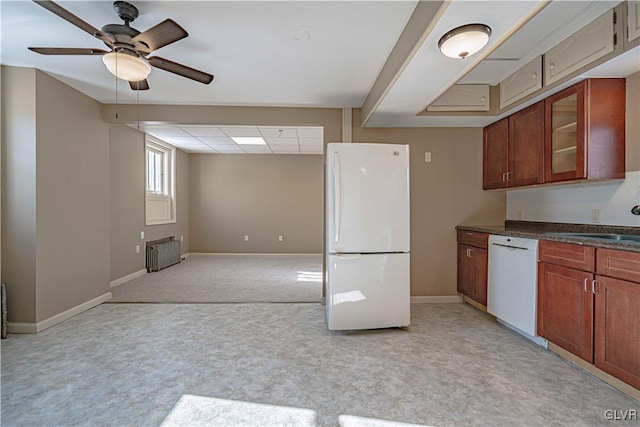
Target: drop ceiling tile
{"points": [[275, 132], [216, 140], [179, 141], [202, 130], [315, 142], [241, 131], [228, 149], [285, 149], [166, 131], [256, 149], [310, 150], [310, 132], [282, 141]]}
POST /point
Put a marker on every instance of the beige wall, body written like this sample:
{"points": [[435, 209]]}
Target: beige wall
{"points": [[444, 193], [633, 123], [72, 216], [127, 164], [56, 240], [19, 192], [262, 196]]}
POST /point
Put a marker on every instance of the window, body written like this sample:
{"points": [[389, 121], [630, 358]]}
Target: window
{"points": [[160, 183]]}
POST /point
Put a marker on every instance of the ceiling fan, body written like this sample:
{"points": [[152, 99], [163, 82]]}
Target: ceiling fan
{"points": [[127, 59]]}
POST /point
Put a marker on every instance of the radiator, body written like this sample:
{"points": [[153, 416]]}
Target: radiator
{"points": [[162, 255]]}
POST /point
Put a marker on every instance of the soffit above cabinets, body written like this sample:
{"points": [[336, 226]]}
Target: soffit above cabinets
{"points": [[217, 139], [524, 30]]}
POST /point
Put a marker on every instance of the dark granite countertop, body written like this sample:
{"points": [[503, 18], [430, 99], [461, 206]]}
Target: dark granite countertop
{"points": [[542, 230]]}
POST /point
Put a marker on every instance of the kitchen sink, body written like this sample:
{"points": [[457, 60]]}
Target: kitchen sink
{"points": [[622, 238]]}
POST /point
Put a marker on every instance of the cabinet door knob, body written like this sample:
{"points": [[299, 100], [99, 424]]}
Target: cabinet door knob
{"points": [[484, 98], [535, 75], [470, 253], [552, 66], [504, 177]]}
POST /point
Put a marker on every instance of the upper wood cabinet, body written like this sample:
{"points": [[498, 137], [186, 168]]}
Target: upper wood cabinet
{"points": [[462, 98], [585, 131], [514, 150], [523, 82], [580, 49]]}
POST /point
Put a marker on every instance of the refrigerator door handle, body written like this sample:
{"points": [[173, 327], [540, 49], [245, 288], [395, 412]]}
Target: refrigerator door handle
{"points": [[336, 195]]}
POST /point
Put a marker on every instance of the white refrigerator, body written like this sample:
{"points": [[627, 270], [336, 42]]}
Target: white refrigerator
{"points": [[367, 232]]}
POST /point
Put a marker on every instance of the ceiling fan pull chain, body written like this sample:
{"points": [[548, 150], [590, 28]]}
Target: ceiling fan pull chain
{"points": [[116, 77], [138, 102]]}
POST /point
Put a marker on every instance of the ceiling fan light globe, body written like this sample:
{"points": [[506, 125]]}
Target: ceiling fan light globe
{"points": [[464, 41], [126, 67]]}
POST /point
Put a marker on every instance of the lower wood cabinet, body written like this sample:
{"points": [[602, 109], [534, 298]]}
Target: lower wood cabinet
{"points": [[473, 265], [565, 308], [594, 316]]}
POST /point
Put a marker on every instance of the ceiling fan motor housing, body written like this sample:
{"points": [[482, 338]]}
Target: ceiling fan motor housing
{"points": [[126, 11]]}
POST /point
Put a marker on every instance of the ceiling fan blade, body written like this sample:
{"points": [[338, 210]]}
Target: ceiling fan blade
{"points": [[141, 85], [161, 35], [67, 51], [73, 19], [181, 70]]}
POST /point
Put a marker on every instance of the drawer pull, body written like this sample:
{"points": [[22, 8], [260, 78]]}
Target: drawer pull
{"points": [[585, 283], [594, 286]]}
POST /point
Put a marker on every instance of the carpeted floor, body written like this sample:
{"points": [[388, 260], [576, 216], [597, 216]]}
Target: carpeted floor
{"points": [[204, 278], [220, 364]]}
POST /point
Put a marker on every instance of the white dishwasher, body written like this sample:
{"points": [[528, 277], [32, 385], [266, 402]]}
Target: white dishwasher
{"points": [[512, 284]]}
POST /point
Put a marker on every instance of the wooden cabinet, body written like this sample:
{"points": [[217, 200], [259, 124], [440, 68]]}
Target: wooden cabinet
{"points": [[472, 265], [523, 82], [514, 150], [585, 131], [594, 316], [565, 297], [617, 315], [496, 155], [580, 49], [462, 98]]}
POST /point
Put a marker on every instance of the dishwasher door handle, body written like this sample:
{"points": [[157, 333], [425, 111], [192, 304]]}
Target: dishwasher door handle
{"points": [[510, 247]]}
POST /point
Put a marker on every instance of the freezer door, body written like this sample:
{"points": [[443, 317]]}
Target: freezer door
{"points": [[367, 291], [367, 198]]}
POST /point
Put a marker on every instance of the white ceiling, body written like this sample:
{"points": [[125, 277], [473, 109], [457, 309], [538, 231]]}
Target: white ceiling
{"points": [[217, 139], [250, 48]]}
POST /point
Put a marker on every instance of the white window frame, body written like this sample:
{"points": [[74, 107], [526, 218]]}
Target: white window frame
{"points": [[160, 207]]}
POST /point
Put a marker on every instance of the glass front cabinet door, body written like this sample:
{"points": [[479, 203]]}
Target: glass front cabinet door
{"points": [[585, 131], [565, 135]]}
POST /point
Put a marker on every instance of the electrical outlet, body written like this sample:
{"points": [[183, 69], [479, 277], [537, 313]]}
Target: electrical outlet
{"points": [[246, 237], [182, 238], [596, 215], [279, 238], [137, 249], [427, 156]]}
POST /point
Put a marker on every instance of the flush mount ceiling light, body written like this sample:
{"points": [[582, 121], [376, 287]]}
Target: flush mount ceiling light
{"points": [[126, 66], [464, 41]]}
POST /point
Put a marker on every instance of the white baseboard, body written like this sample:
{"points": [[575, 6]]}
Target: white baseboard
{"points": [[21, 328], [243, 253], [33, 328], [126, 278], [446, 299]]}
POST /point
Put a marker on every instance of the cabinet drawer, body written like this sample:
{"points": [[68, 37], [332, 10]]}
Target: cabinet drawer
{"points": [[568, 255], [619, 264], [473, 238]]}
